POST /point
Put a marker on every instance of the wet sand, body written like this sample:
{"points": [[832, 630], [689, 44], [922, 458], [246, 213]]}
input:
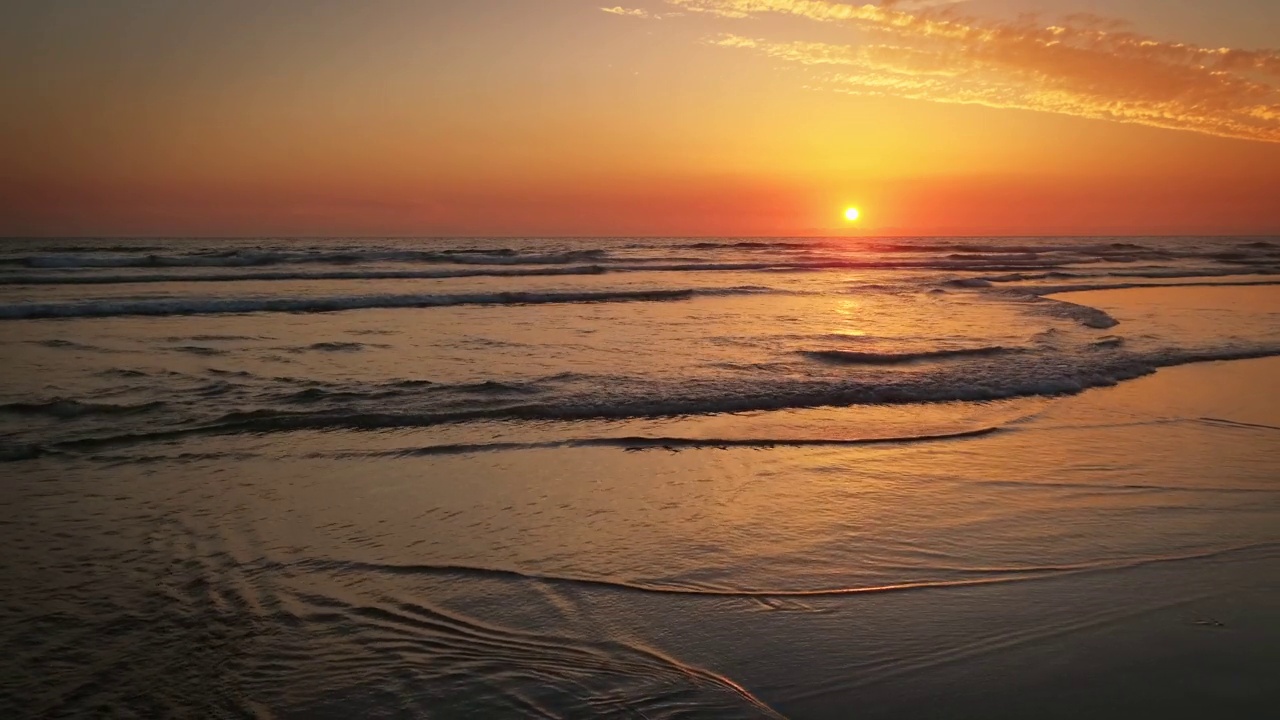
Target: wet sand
{"points": [[1190, 637]]}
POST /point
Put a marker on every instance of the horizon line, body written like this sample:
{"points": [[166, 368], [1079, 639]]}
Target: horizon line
{"points": [[496, 236]]}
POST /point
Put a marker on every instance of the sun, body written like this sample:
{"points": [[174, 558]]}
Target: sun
{"points": [[851, 214]]}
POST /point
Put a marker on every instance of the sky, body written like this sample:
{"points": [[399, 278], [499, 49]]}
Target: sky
{"points": [[650, 117]]}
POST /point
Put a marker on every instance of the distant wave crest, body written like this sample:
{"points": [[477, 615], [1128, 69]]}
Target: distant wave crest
{"points": [[214, 306], [259, 258]]}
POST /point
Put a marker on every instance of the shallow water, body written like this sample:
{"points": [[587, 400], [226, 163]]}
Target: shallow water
{"points": [[680, 479]]}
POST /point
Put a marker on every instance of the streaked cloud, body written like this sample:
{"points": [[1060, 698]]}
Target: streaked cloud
{"points": [[712, 9], [632, 12], [640, 13], [1083, 65]]}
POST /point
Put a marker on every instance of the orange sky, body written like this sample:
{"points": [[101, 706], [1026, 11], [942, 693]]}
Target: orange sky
{"points": [[655, 117]]}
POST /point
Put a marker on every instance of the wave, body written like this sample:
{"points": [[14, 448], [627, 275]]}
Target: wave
{"points": [[1090, 317], [199, 350], [745, 245], [1237, 424], [121, 373], [994, 257], [251, 404], [602, 266], [215, 338], [338, 347], [1023, 277], [91, 248], [409, 389], [1087, 316], [1028, 253], [955, 386], [216, 306], [1088, 287], [300, 275], [874, 358], [260, 258], [66, 409], [62, 344], [15, 452], [395, 407], [1023, 263], [1051, 245], [625, 443], [671, 444], [446, 274]]}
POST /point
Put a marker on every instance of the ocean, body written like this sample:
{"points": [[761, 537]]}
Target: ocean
{"points": [[639, 477]]}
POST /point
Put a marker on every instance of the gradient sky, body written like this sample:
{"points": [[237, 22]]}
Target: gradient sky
{"points": [[653, 117]]}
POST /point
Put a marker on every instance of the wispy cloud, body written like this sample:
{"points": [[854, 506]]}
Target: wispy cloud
{"points": [[1085, 65], [639, 13], [712, 9], [631, 12]]}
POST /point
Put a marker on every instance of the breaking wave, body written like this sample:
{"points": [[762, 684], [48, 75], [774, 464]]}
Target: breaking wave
{"points": [[420, 404]]}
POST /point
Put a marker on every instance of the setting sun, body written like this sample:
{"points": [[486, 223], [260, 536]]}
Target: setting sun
{"points": [[851, 214]]}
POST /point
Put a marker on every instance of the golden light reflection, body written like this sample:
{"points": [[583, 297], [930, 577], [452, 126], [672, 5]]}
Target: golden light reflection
{"points": [[849, 308]]}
